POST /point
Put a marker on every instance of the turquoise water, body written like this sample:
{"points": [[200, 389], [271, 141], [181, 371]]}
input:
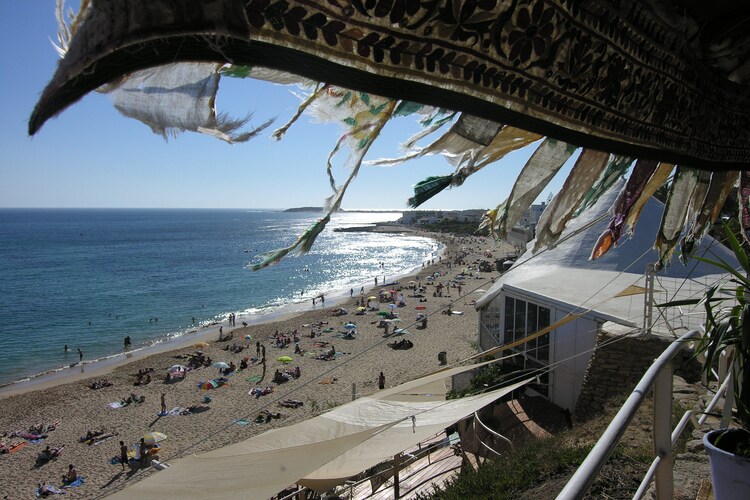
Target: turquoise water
{"points": [[87, 278]]}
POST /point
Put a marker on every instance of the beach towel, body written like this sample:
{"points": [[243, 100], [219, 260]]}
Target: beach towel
{"points": [[51, 490], [17, 447], [241, 422], [75, 484], [117, 404], [254, 378]]}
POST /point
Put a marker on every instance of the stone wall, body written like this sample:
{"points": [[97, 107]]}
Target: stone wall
{"points": [[615, 369]]}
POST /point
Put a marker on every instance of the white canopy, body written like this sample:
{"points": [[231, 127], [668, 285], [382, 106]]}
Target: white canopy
{"points": [[323, 451], [607, 284]]}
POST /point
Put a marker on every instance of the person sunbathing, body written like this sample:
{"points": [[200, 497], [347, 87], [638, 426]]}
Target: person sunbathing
{"points": [[291, 403], [29, 436], [48, 453], [43, 428]]}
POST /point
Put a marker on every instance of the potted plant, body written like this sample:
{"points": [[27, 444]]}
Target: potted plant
{"points": [[728, 326]]}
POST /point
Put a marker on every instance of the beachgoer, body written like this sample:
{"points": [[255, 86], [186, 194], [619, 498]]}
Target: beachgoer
{"points": [[376, 281], [362, 291], [381, 381], [193, 319], [163, 403], [322, 299], [143, 452], [80, 354], [71, 475], [65, 348], [127, 341], [123, 454], [351, 292]]}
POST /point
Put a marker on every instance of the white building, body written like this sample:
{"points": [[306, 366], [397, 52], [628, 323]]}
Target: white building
{"points": [[562, 287]]}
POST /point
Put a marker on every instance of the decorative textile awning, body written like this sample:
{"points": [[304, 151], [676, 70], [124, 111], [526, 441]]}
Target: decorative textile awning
{"points": [[657, 82]]}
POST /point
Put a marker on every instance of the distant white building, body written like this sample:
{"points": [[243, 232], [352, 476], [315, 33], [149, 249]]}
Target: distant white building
{"points": [[562, 285], [418, 217], [525, 229]]}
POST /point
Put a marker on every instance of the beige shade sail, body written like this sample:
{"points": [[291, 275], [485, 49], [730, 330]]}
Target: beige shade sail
{"points": [[323, 451]]}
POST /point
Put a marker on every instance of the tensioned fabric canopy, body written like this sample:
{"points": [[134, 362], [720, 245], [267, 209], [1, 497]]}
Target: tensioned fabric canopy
{"points": [[324, 451]]}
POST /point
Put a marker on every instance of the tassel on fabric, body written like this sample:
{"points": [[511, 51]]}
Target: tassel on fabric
{"points": [[718, 191], [744, 209], [657, 180], [536, 174], [365, 116], [305, 242], [279, 132], [616, 168], [628, 196], [587, 169], [426, 189], [673, 218]]}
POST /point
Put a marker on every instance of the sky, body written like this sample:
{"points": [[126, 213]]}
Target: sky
{"points": [[90, 156]]}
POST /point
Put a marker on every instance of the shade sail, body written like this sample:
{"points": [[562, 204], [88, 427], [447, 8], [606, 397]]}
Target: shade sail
{"points": [[323, 451]]}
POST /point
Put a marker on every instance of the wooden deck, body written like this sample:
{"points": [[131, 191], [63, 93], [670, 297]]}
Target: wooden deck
{"points": [[418, 476]]}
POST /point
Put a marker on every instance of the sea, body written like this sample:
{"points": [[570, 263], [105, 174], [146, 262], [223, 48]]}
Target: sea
{"points": [[86, 278]]}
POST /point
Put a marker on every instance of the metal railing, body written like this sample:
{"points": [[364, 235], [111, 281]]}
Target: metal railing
{"points": [[658, 377]]}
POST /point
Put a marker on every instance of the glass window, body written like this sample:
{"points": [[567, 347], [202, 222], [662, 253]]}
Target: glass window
{"points": [[519, 331], [509, 315]]}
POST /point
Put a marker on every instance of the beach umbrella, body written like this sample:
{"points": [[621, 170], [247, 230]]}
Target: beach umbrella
{"points": [[285, 359], [350, 326], [372, 297], [178, 368], [220, 365], [208, 385], [154, 437], [392, 306], [360, 308], [420, 308], [394, 320], [382, 313]]}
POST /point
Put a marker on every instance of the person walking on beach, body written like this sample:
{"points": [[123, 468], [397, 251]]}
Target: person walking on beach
{"points": [[381, 381], [257, 349], [123, 454], [143, 452], [127, 341], [163, 403], [351, 293], [80, 355]]}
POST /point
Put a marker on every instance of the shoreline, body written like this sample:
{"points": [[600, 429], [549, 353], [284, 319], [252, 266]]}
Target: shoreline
{"points": [[230, 416], [102, 366]]}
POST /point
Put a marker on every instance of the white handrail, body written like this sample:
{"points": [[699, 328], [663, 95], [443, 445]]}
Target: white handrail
{"points": [[588, 470]]}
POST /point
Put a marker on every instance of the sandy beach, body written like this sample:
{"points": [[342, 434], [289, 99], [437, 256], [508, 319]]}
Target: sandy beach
{"points": [[230, 416]]}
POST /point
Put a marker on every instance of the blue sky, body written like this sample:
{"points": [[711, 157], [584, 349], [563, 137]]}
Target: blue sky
{"points": [[91, 156]]}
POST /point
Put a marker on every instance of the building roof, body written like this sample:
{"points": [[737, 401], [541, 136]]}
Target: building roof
{"points": [[613, 285]]}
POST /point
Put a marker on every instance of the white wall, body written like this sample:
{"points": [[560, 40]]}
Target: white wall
{"points": [[566, 379]]}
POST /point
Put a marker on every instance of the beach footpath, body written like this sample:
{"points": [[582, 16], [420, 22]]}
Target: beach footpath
{"points": [[214, 392]]}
